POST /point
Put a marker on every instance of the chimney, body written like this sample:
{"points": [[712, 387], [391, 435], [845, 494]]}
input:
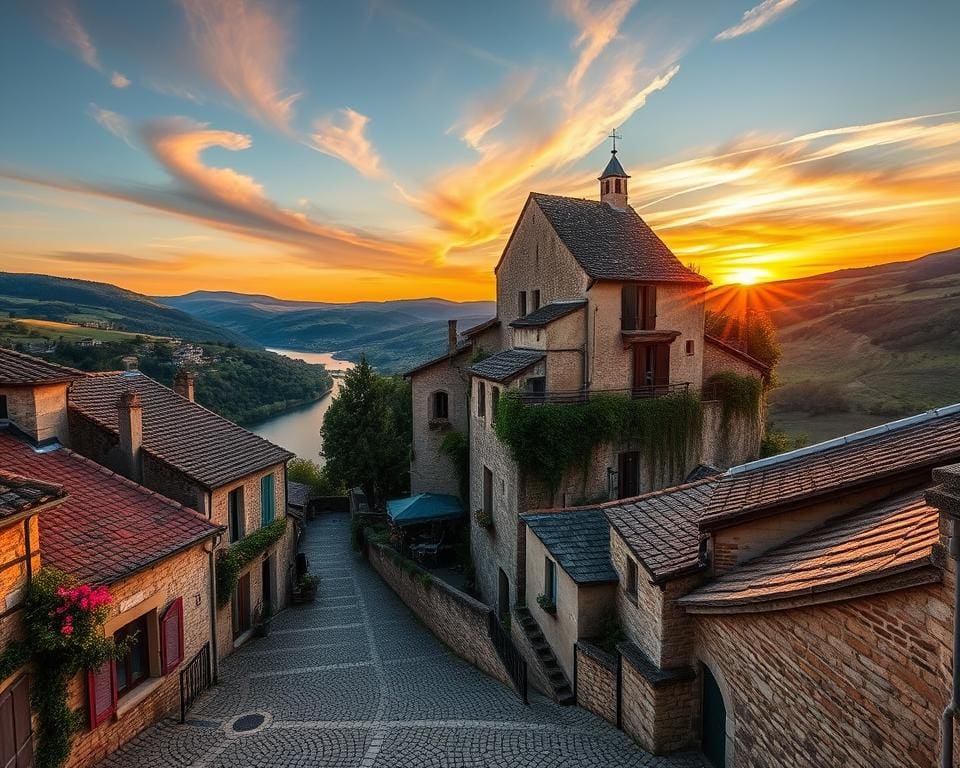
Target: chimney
{"points": [[183, 384], [451, 337], [130, 419], [130, 362]]}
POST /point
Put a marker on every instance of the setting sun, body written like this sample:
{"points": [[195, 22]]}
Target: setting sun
{"points": [[748, 276]]}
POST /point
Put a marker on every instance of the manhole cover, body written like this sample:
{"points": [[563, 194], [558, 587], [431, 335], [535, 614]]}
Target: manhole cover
{"points": [[248, 723]]}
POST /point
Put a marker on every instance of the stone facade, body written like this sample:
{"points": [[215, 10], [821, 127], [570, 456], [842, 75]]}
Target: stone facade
{"points": [[596, 681], [39, 411], [454, 617], [186, 575]]}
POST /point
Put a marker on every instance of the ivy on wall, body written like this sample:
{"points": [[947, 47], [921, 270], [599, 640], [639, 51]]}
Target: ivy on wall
{"points": [[234, 558], [456, 447], [548, 439], [739, 396]]}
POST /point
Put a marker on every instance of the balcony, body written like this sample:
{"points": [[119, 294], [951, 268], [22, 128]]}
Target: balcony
{"points": [[581, 396]]}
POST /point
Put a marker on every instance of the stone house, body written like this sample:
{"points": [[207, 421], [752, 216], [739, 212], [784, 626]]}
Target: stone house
{"points": [[795, 610], [65, 511], [161, 438]]}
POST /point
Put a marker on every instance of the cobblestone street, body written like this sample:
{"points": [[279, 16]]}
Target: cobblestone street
{"points": [[356, 680]]}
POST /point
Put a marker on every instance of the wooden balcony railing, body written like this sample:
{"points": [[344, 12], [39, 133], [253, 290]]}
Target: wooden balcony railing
{"points": [[582, 396]]}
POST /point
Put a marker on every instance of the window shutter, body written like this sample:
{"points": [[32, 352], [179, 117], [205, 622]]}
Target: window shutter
{"points": [[628, 308], [662, 366], [649, 307], [267, 500], [171, 636], [102, 693]]}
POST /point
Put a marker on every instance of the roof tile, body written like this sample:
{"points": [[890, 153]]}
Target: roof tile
{"points": [[579, 540]]}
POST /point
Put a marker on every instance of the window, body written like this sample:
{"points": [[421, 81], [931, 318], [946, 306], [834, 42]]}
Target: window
{"points": [[535, 300], [638, 308], [631, 578], [494, 401], [689, 346], [235, 512], [241, 605], [487, 491], [3, 407], [441, 406], [536, 388], [651, 367], [134, 666], [550, 580], [268, 500], [522, 304], [16, 734], [628, 475], [616, 184], [481, 400]]}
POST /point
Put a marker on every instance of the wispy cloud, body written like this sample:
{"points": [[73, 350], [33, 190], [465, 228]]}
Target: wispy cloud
{"points": [[343, 136], [599, 24], [242, 48], [757, 18], [71, 30], [114, 122]]}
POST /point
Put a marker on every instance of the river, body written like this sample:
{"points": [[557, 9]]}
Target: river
{"points": [[298, 430]]}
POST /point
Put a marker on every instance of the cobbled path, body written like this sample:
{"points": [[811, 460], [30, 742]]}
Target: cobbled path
{"points": [[357, 681]]}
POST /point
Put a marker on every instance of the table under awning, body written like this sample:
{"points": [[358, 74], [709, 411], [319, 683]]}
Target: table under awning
{"points": [[424, 508]]}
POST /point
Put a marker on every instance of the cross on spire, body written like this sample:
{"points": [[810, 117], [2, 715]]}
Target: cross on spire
{"points": [[614, 135]]}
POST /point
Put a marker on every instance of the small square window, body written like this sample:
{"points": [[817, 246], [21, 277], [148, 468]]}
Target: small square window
{"points": [[689, 346]]}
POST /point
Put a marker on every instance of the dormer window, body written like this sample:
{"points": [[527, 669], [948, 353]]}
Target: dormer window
{"points": [[638, 308]]}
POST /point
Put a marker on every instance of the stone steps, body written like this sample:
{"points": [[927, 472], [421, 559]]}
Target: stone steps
{"points": [[562, 692]]}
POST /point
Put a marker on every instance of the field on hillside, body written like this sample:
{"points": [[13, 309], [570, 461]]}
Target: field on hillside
{"points": [[26, 331]]}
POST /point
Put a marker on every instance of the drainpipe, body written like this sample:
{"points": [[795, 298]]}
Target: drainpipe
{"points": [[212, 562], [946, 498]]}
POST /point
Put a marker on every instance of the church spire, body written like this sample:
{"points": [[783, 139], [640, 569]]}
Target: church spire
{"points": [[613, 180]]}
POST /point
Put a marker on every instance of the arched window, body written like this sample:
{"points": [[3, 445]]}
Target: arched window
{"points": [[440, 405], [717, 723]]}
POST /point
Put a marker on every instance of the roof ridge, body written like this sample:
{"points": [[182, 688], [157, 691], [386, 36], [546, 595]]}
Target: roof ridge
{"points": [[837, 442]]}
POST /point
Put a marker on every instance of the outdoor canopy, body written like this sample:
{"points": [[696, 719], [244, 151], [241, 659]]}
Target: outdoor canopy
{"points": [[423, 508]]}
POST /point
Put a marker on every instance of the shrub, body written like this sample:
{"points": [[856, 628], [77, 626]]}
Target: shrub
{"points": [[232, 560], [456, 447], [546, 603], [483, 518]]}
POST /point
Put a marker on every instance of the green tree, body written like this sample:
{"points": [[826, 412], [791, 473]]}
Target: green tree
{"points": [[310, 473], [754, 333], [366, 433]]}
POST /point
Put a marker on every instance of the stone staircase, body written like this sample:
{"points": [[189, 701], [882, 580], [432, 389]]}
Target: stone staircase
{"points": [[562, 692]]}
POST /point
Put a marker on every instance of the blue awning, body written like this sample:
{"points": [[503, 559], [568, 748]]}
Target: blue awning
{"points": [[423, 508]]}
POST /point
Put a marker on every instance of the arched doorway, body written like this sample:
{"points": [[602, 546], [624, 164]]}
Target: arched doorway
{"points": [[714, 721]]}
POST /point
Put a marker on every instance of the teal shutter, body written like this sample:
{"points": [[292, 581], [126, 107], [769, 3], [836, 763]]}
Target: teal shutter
{"points": [[267, 500]]}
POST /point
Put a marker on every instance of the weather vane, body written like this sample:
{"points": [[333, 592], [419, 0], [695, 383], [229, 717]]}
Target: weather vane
{"points": [[613, 135]]}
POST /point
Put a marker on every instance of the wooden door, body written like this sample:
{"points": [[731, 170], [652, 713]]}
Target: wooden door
{"points": [[266, 579], [16, 735], [661, 364], [628, 475], [503, 595], [714, 724], [241, 611]]}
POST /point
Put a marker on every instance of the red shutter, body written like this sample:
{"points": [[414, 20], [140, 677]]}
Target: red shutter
{"points": [[102, 693], [171, 636]]}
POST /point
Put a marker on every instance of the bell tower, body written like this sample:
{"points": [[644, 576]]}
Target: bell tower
{"points": [[613, 180]]}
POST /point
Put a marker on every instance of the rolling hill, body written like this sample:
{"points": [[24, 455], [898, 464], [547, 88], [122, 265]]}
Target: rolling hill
{"points": [[864, 346], [394, 335], [43, 297]]}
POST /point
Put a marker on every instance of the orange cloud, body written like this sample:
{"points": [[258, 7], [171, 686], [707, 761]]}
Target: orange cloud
{"points": [[242, 49], [343, 136], [757, 18], [598, 27]]}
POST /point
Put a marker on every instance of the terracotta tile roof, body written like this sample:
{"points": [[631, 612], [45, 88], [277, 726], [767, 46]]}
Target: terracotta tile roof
{"points": [[18, 368], [612, 244], [108, 527], [548, 313], [506, 365], [204, 446], [22, 494], [580, 542], [762, 487], [890, 538], [661, 528]]}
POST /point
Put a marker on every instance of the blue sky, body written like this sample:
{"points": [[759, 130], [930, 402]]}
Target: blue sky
{"points": [[383, 149]]}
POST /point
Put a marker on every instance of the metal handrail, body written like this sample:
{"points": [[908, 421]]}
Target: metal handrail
{"points": [[515, 663], [195, 678], [583, 396]]}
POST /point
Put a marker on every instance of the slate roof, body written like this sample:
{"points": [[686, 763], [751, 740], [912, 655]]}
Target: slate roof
{"points": [[298, 494], [613, 244], [107, 527], [17, 368], [506, 365], [908, 445], [548, 313], [493, 322], [580, 542], [462, 346], [204, 446], [891, 538], [20, 494], [661, 528], [614, 168]]}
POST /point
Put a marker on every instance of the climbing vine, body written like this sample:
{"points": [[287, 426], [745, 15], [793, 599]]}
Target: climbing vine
{"points": [[456, 447], [549, 439], [739, 396], [63, 627], [234, 558]]}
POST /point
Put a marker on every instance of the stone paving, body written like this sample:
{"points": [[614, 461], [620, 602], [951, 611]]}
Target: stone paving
{"points": [[356, 681]]}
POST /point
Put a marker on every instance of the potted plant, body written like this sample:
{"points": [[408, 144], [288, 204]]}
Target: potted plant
{"points": [[548, 605], [305, 590]]}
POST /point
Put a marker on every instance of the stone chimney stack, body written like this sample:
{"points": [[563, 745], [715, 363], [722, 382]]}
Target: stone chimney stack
{"points": [[130, 362], [183, 384], [451, 337], [130, 419]]}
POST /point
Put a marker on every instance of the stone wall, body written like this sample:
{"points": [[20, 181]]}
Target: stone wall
{"points": [[857, 683], [430, 469], [596, 682], [717, 358], [185, 575], [458, 620], [39, 411]]}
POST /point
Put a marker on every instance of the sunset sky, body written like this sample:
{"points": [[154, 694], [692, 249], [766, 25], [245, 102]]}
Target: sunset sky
{"points": [[383, 148]]}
